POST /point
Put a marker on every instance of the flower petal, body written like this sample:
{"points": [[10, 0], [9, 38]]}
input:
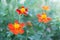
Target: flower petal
{"points": [[26, 9], [22, 25], [16, 31], [25, 13], [45, 8], [38, 15], [45, 21], [48, 18], [10, 26], [21, 31], [40, 20], [18, 11]]}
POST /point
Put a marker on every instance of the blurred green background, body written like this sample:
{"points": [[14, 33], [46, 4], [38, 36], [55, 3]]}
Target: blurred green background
{"points": [[38, 31]]}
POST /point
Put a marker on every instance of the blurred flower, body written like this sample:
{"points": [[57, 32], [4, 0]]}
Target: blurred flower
{"points": [[29, 23], [16, 28], [45, 7], [21, 11], [43, 18]]}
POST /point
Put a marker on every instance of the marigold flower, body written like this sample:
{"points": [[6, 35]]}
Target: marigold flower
{"points": [[16, 28], [43, 18], [45, 7], [21, 11]]}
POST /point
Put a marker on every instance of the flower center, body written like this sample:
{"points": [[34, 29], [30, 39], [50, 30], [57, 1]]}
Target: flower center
{"points": [[16, 25], [22, 10], [44, 16]]}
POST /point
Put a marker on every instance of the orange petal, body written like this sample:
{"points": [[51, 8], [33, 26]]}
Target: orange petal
{"points": [[22, 25], [45, 21], [40, 20], [10, 26], [48, 18], [16, 31], [12, 29], [21, 31], [38, 15], [45, 8]]}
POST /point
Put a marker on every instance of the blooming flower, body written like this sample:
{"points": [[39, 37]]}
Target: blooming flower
{"points": [[45, 7], [43, 18], [16, 28], [21, 11]]}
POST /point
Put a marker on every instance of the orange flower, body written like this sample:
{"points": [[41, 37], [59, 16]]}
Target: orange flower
{"points": [[21, 11], [16, 28], [43, 18], [45, 8]]}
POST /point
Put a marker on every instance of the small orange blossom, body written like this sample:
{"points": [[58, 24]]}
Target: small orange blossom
{"points": [[43, 18], [45, 7], [21, 11], [16, 28]]}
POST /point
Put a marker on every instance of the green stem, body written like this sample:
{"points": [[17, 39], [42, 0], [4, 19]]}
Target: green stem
{"points": [[19, 18], [26, 35]]}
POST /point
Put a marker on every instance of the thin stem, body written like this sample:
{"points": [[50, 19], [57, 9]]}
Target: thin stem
{"points": [[19, 18], [26, 35]]}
